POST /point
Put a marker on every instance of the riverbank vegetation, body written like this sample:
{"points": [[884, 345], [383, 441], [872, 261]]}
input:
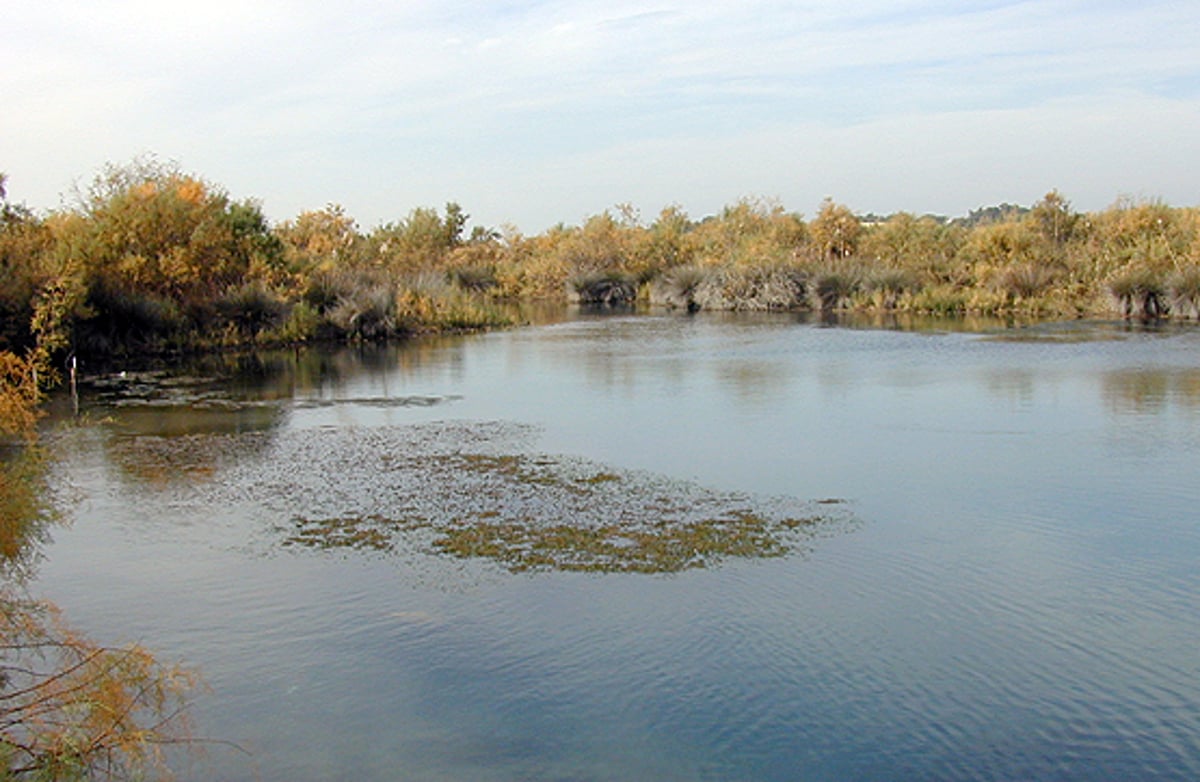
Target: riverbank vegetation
{"points": [[150, 259]]}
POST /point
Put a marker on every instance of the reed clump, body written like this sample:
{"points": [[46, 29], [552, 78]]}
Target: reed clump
{"points": [[1184, 289], [1140, 293], [605, 288], [750, 287]]}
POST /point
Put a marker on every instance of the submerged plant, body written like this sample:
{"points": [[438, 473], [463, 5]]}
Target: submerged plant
{"points": [[619, 548]]}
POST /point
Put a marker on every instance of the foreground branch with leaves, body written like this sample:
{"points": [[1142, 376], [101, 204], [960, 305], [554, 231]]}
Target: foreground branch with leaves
{"points": [[73, 709], [70, 708]]}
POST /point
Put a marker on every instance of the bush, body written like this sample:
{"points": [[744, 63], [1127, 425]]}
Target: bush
{"points": [[303, 323], [251, 308], [367, 312], [604, 288], [888, 285], [1139, 293], [123, 320], [478, 278], [940, 300], [832, 285], [771, 287], [678, 287], [1184, 286], [1026, 279]]}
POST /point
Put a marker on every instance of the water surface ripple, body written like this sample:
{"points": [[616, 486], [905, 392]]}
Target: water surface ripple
{"points": [[1005, 589]]}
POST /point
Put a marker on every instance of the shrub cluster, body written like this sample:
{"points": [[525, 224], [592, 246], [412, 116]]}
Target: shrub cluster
{"points": [[153, 259]]}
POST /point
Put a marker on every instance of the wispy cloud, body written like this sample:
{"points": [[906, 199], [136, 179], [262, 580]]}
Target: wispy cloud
{"points": [[301, 103]]}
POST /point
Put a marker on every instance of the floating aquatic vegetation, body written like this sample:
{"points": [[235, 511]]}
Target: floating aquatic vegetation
{"points": [[459, 490], [349, 532], [654, 548], [535, 512]]}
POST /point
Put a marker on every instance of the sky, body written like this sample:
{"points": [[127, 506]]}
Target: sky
{"points": [[530, 114]]}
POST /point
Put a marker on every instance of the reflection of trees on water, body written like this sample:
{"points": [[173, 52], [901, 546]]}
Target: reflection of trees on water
{"points": [[1148, 391], [26, 509], [754, 380], [921, 323], [1015, 385], [165, 461], [188, 425], [69, 707]]}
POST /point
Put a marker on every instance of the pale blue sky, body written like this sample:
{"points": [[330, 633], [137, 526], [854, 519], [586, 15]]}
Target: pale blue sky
{"points": [[539, 112]]}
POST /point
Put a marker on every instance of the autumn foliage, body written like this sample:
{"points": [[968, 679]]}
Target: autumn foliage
{"points": [[72, 709], [154, 259]]}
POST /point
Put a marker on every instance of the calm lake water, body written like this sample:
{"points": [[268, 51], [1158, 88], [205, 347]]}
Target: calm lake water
{"points": [[1001, 582]]}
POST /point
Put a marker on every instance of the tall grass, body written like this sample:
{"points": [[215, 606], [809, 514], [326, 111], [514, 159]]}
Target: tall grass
{"points": [[366, 312], [834, 284], [1139, 293], [677, 287], [1184, 287], [608, 288], [252, 308], [746, 287]]}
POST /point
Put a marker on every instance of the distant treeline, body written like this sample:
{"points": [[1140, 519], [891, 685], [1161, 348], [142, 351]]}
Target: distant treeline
{"points": [[151, 258]]}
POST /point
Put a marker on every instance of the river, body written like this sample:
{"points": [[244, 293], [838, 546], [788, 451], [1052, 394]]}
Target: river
{"points": [[669, 547]]}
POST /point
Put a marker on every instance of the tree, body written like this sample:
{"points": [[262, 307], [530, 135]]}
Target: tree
{"points": [[24, 243], [155, 230], [144, 258], [19, 395], [919, 244], [421, 240], [752, 231], [1053, 219], [835, 231], [320, 241]]}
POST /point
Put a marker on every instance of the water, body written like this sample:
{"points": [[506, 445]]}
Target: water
{"points": [[1006, 588]]}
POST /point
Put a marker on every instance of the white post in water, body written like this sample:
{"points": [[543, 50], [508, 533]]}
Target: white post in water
{"points": [[74, 392]]}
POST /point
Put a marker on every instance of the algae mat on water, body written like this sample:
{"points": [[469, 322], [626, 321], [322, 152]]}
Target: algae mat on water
{"points": [[478, 490]]}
